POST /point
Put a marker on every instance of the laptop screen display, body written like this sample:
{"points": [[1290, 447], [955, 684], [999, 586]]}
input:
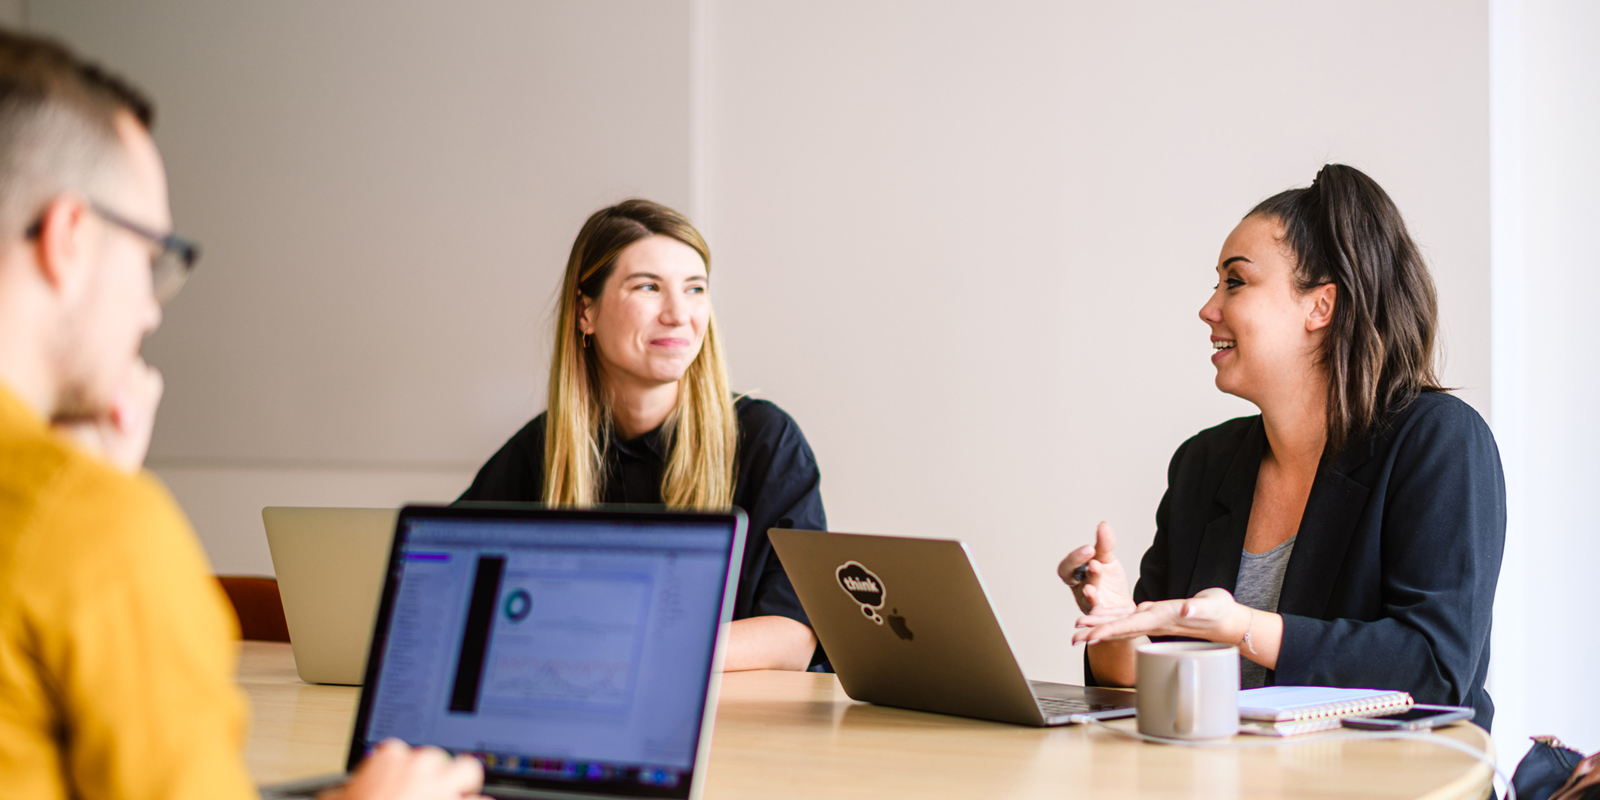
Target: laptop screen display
{"points": [[566, 653]]}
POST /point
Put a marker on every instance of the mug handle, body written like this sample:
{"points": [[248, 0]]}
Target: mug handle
{"points": [[1188, 694]]}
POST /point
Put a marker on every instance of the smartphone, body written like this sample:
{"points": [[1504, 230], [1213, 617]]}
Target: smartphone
{"points": [[1416, 718]]}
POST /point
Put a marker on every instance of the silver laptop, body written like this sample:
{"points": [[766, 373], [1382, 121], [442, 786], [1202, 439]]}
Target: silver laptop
{"points": [[573, 653], [329, 563], [906, 623]]}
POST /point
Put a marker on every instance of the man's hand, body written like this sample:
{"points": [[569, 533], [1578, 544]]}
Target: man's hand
{"points": [[121, 435], [395, 771]]}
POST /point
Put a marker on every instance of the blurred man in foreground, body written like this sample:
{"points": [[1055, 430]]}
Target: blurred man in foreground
{"points": [[117, 650]]}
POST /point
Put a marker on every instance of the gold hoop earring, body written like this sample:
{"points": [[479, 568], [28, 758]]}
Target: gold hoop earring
{"points": [[586, 341]]}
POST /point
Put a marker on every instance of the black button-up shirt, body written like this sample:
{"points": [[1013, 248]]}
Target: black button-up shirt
{"points": [[776, 482]]}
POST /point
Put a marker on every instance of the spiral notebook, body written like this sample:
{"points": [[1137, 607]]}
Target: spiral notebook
{"points": [[1294, 710]]}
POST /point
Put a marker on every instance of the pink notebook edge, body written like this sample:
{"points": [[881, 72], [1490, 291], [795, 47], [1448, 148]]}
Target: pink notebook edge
{"points": [[1333, 702]]}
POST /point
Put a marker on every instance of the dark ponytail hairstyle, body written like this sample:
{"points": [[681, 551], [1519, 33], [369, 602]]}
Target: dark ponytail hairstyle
{"points": [[1379, 352]]}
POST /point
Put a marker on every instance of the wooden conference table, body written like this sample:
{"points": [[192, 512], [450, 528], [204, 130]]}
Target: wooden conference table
{"points": [[790, 734]]}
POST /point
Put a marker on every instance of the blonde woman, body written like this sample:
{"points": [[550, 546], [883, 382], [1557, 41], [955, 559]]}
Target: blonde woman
{"points": [[640, 412]]}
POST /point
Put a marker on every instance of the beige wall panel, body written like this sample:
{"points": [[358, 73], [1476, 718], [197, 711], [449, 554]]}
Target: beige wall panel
{"points": [[965, 243], [13, 13], [385, 192]]}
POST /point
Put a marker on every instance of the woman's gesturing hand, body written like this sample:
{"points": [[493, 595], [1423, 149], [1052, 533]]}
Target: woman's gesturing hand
{"points": [[1096, 576], [1212, 615]]}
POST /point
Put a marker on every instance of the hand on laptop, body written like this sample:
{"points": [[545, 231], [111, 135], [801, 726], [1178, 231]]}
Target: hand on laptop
{"points": [[395, 771], [1096, 577], [121, 433]]}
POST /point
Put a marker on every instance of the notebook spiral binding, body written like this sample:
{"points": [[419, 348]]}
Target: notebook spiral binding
{"points": [[1372, 706]]}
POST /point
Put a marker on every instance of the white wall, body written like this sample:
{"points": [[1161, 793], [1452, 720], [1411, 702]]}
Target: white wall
{"points": [[965, 244], [1546, 121], [1562, 278]]}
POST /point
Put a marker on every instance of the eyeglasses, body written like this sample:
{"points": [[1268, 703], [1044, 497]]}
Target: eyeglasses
{"points": [[173, 256]]}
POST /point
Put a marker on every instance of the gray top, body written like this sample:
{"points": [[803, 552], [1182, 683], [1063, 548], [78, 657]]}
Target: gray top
{"points": [[1260, 584]]}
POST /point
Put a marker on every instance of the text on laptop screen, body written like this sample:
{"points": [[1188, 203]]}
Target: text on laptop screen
{"points": [[555, 650]]}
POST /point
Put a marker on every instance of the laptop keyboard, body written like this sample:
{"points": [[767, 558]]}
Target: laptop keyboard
{"points": [[1054, 707]]}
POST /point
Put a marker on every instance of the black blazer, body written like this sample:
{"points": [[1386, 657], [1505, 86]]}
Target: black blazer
{"points": [[1391, 582]]}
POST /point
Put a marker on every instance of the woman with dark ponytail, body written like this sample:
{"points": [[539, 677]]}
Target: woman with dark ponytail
{"points": [[1351, 533]]}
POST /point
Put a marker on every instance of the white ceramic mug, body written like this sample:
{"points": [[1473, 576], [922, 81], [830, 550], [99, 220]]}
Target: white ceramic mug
{"points": [[1188, 690]]}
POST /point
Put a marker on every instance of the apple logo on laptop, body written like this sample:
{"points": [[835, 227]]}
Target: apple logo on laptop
{"points": [[897, 624]]}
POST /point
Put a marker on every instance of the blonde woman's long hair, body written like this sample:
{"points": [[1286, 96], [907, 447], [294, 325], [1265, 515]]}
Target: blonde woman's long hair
{"points": [[702, 430]]}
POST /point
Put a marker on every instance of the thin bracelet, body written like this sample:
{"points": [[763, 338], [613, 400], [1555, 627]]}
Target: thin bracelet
{"points": [[1248, 628]]}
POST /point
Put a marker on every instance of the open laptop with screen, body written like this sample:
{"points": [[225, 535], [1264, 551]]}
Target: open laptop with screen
{"points": [[573, 652], [906, 622]]}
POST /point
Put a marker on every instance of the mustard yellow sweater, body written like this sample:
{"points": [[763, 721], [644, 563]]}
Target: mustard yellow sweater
{"points": [[117, 651]]}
